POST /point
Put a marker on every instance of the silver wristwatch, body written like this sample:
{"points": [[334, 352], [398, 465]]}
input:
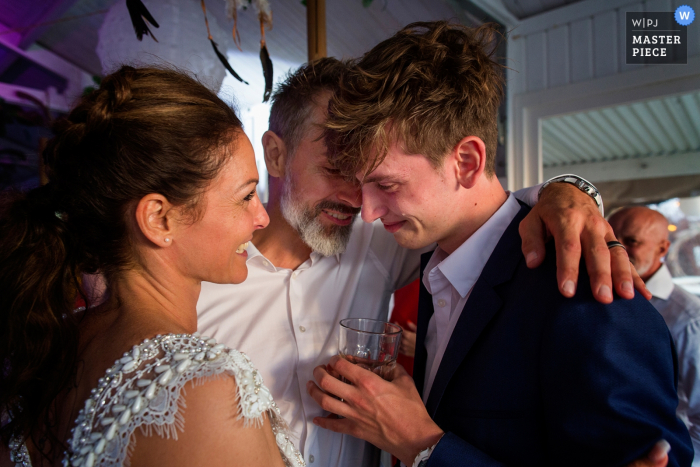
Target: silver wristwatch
{"points": [[580, 183]]}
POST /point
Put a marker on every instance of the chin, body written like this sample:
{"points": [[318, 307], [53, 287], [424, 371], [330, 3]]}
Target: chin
{"points": [[238, 275]]}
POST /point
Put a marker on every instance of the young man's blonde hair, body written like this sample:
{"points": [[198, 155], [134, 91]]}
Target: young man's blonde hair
{"points": [[427, 87]]}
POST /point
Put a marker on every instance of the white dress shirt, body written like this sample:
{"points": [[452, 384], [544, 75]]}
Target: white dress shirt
{"points": [[450, 279], [287, 322], [681, 312]]}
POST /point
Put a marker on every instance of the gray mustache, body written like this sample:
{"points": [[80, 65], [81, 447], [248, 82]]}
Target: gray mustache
{"points": [[339, 207]]}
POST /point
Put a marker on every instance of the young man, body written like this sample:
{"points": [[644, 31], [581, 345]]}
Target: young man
{"points": [[508, 371], [644, 232]]}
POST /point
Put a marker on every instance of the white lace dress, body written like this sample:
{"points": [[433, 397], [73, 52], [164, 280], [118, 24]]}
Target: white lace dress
{"points": [[142, 390]]}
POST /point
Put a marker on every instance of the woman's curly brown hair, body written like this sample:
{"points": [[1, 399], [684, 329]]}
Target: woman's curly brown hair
{"points": [[427, 87]]}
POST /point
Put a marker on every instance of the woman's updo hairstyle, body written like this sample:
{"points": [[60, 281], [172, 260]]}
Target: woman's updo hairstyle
{"points": [[145, 130]]}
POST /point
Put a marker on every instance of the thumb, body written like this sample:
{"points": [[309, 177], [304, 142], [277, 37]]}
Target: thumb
{"points": [[411, 326], [659, 453]]}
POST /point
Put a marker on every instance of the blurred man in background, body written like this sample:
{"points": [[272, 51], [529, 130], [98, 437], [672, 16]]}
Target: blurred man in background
{"points": [[644, 232]]}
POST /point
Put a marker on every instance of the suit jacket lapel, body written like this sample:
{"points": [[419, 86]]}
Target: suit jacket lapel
{"points": [[425, 311], [481, 307]]}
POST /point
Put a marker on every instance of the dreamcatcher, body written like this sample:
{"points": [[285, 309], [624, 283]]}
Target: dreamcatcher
{"points": [[141, 17]]}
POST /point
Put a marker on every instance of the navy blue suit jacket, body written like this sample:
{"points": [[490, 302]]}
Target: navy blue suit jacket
{"points": [[532, 378]]}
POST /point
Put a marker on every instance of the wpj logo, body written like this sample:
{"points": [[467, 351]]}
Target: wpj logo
{"points": [[650, 23], [658, 37]]}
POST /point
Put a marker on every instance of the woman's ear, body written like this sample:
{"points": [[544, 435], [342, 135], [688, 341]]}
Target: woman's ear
{"points": [[469, 157], [154, 216], [275, 153]]}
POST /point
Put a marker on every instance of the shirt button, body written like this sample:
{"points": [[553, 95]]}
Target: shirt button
{"points": [[295, 274], [302, 328], [311, 459], [265, 263], [441, 303]]}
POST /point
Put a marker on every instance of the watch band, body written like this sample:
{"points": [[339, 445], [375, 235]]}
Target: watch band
{"points": [[580, 183]]}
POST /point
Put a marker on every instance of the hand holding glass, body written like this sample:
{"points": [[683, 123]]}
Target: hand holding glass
{"points": [[370, 344]]}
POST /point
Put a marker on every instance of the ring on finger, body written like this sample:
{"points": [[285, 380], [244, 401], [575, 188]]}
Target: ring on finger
{"points": [[615, 243]]}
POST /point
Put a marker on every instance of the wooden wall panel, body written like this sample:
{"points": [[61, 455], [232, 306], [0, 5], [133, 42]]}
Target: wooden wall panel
{"points": [[517, 66], [581, 55], [536, 53], [558, 62], [605, 43]]}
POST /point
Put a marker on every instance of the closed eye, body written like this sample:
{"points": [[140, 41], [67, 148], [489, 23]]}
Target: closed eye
{"points": [[331, 172], [391, 187]]}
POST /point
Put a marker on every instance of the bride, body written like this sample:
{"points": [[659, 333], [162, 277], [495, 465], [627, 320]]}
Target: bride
{"points": [[152, 183]]}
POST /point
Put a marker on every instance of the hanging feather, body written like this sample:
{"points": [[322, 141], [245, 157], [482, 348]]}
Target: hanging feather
{"points": [[225, 62], [232, 7], [221, 56], [267, 70], [139, 16], [265, 17]]}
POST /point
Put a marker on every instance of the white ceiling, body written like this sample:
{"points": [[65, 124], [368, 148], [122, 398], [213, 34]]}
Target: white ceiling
{"points": [[351, 28], [658, 127]]}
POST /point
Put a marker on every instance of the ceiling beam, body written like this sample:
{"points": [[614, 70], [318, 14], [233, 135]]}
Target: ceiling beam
{"points": [[8, 92], [632, 169]]}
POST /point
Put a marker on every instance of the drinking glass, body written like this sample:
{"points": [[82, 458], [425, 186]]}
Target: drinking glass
{"points": [[370, 344]]}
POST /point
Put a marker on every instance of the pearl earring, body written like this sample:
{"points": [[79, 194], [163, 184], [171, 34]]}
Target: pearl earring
{"points": [[167, 240]]}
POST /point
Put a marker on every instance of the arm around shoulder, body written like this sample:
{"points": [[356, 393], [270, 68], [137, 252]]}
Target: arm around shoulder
{"points": [[608, 383]]}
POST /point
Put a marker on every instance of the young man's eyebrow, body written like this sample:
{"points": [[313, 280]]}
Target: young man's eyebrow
{"points": [[379, 178]]}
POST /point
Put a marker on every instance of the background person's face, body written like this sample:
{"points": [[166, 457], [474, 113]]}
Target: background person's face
{"points": [[644, 240], [411, 198]]}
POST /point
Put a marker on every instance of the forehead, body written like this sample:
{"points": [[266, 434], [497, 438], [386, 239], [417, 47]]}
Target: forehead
{"points": [[311, 145], [240, 161], [399, 165], [639, 224]]}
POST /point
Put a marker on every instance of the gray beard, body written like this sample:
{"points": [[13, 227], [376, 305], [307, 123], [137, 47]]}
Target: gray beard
{"points": [[325, 240]]}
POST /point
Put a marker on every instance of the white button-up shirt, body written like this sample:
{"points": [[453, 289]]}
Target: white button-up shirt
{"points": [[450, 279], [287, 322], [681, 312]]}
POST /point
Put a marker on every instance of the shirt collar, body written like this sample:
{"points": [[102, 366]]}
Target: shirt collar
{"points": [[463, 267], [257, 257], [661, 284], [315, 257]]}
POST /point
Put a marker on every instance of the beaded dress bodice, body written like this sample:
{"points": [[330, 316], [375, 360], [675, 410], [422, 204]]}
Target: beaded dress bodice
{"points": [[142, 390]]}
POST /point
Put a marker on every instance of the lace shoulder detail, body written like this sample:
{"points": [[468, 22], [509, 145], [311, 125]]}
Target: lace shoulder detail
{"points": [[143, 388]]}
